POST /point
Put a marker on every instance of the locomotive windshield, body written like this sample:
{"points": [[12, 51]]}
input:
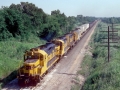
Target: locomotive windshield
{"points": [[31, 57]]}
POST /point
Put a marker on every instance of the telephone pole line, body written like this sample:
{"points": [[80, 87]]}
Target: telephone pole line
{"points": [[110, 39], [108, 45]]}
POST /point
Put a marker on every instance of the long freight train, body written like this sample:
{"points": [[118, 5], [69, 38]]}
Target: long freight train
{"points": [[37, 61]]}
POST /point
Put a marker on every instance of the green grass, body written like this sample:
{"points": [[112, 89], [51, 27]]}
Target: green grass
{"points": [[11, 55], [105, 76], [101, 74]]}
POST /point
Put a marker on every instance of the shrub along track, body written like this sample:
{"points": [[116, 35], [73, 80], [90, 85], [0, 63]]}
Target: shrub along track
{"points": [[63, 74]]}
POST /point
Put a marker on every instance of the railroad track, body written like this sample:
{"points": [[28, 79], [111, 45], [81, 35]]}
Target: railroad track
{"points": [[61, 76]]}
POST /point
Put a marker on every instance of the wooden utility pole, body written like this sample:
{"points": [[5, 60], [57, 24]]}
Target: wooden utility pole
{"points": [[108, 45], [109, 38], [112, 32]]}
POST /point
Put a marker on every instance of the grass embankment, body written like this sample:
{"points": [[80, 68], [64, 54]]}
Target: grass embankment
{"points": [[100, 74], [11, 55]]}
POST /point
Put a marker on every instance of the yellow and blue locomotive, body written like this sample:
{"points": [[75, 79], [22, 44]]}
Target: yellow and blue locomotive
{"points": [[37, 61]]}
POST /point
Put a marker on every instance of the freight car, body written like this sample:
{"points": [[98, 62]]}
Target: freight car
{"points": [[37, 61]]}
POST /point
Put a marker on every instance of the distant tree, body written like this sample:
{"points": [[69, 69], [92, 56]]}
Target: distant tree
{"points": [[111, 20]]}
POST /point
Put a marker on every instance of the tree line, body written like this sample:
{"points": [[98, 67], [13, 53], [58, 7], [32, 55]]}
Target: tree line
{"points": [[25, 20], [110, 20]]}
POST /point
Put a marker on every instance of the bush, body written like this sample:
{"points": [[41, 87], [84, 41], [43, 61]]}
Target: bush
{"points": [[11, 55]]}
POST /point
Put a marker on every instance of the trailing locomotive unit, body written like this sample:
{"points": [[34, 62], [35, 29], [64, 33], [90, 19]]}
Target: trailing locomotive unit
{"points": [[65, 42], [37, 61]]}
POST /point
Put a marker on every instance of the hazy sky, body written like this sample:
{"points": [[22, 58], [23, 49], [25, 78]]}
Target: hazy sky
{"points": [[98, 8]]}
